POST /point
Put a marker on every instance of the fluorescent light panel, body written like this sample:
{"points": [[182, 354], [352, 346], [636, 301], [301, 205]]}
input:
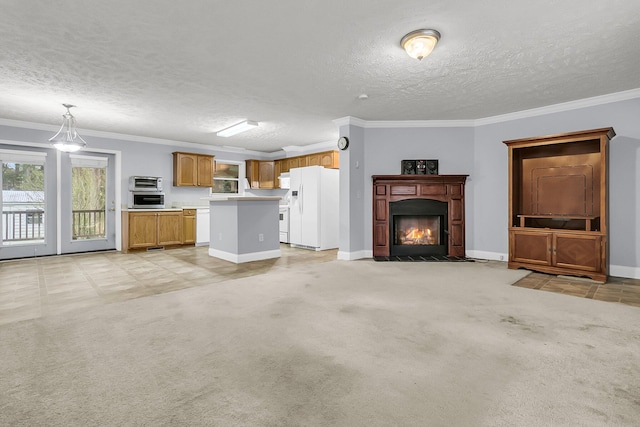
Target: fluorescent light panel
{"points": [[237, 128]]}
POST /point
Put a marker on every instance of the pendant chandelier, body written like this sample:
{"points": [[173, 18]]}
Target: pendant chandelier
{"points": [[67, 138]]}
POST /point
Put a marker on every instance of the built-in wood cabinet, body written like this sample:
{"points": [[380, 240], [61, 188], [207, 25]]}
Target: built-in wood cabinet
{"points": [[260, 174], [264, 174], [327, 159], [558, 210], [192, 170], [147, 229], [189, 226]]}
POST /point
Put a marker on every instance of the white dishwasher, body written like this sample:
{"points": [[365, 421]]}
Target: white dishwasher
{"points": [[202, 226]]}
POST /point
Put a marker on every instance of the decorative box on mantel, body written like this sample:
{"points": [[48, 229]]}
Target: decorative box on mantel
{"points": [[418, 215]]}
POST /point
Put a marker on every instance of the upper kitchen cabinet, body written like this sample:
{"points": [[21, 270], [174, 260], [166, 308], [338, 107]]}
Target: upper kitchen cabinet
{"points": [[263, 174], [327, 159], [260, 174], [192, 170]]}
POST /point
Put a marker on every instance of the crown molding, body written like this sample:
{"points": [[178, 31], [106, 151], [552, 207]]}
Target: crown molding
{"points": [[533, 112], [350, 120], [132, 138], [564, 106]]}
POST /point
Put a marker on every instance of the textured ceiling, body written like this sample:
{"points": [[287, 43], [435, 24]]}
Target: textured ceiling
{"points": [[184, 70]]}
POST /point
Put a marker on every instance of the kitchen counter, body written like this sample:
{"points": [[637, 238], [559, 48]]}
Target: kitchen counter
{"points": [[244, 229], [152, 210], [242, 198]]}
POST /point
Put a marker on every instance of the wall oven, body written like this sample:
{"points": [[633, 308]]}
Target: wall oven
{"points": [[146, 200], [145, 183]]}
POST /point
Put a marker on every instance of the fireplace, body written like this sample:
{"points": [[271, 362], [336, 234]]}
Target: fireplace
{"points": [[418, 227], [421, 215]]}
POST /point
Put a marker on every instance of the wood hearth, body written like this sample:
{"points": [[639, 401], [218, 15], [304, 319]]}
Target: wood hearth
{"points": [[443, 188]]}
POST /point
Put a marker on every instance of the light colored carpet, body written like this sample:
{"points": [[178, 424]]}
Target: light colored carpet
{"points": [[337, 344]]}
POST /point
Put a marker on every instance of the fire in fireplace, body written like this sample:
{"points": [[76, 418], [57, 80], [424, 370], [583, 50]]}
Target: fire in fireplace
{"points": [[417, 230], [419, 227]]}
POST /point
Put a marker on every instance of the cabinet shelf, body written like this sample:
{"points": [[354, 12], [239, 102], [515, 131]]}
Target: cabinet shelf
{"points": [[559, 222]]}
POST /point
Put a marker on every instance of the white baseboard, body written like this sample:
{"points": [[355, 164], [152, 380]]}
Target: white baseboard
{"points": [[614, 270], [240, 258], [624, 271], [494, 256], [350, 256]]}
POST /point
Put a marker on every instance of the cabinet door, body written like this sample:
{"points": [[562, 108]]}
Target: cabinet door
{"points": [[142, 229], [314, 160], [265, 173], [579, 251], [205, 171], [284, 165], [330, 159], [293, 162], [185, 169], [530, 247], [277, 170], [253, 173], [170, 228], [189, 226]]}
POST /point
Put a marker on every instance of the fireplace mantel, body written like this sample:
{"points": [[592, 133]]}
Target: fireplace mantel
{"points": [[444, 188]]}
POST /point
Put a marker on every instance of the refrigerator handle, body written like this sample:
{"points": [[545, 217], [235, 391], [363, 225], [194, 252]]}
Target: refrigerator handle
{"points": [[300, 198]]}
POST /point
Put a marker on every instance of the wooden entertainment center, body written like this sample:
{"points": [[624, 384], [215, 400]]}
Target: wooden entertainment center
{"points": [[558, 205]]}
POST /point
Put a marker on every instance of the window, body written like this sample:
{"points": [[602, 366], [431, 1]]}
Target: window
{"points": [[228, 177], [22, 198]]}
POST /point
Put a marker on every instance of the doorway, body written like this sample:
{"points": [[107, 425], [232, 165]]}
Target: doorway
{"points": [[87, 202]]}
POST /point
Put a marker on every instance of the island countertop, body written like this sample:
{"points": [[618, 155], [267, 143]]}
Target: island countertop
{"points": [[242, 198]]}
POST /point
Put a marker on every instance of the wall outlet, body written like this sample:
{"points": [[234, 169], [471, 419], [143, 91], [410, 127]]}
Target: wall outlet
{"points": [[260, 237], [219, 236], [501, 257]]}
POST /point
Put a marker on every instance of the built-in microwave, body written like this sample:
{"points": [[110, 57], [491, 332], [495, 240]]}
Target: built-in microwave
{"points": [[145, 183], [146, 200]]}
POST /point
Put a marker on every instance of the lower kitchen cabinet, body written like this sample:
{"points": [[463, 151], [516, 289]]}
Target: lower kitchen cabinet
{"points": [[148, 229], [189, 226]]}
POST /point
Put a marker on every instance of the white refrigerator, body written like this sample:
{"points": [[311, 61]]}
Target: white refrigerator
{"points": [[314, 214]]}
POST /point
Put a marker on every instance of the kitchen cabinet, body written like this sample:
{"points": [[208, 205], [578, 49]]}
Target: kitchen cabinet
{"points": [[558, 210], [192, 170], [147, 229], [189, 226], [260, 174], [277, 170], [327, 159], [264, 173]]}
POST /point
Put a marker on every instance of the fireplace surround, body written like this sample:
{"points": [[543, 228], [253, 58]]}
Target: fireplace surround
{"points": [[418, 215]]}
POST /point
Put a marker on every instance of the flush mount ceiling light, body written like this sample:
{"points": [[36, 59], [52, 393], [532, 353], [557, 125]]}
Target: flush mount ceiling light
{"points": [[67, 139], [237, 128], [419, 43]]}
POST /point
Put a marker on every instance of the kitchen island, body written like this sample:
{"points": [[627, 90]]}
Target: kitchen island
{"points": [[244, 229]]}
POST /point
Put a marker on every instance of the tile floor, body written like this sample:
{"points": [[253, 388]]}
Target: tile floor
{"points": [[617, 289], [37, 287]]}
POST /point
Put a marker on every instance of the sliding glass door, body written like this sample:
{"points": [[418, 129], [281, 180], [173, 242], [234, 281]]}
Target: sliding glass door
{"points": [[87, 202]]}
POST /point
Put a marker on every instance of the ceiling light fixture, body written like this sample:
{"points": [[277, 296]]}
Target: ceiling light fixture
{"points": [[419, 43], [237, 128], [67, 138]]}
